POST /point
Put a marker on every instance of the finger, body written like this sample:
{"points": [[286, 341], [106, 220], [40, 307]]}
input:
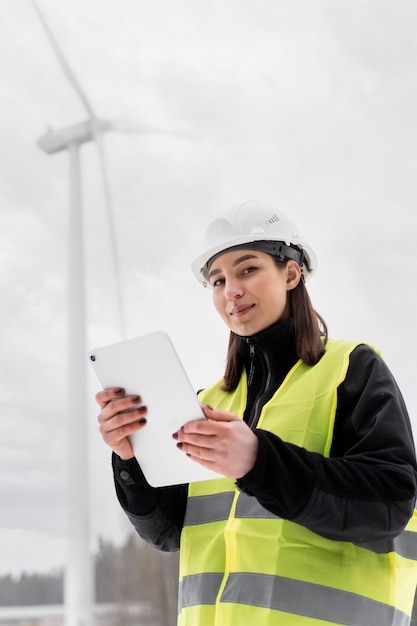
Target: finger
{"points": [[200, 428], [123, 418], [209, 427], [121, 431], [195, 440], [209, 463], [218, 415], [119, 405], [200, 453], [104, 396]]}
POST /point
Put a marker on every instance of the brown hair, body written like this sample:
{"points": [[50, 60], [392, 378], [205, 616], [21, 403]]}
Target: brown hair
{"points": [[309, 329]]}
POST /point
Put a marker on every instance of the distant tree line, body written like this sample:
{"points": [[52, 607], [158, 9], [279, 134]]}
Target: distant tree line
{"points": [[137, 573], [134, 573], [31, 589]]}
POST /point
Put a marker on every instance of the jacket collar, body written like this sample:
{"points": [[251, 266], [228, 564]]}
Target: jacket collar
{"points": [[277, 341]]}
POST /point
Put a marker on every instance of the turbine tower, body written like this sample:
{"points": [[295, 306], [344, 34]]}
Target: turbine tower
{"points": [[79, 576]]}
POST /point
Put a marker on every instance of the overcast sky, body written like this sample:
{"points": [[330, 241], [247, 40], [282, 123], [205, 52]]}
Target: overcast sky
{"points": [[308, 105]]}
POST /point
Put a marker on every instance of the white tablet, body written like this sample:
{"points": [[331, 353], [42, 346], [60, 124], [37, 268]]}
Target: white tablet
{"points": [[150, 367]]}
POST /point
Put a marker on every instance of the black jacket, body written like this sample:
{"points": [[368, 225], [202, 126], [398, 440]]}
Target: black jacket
{"points": [[364, 492]]}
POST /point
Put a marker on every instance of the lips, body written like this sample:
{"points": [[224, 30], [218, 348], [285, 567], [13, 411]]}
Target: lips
{"points": [[242, 309]]}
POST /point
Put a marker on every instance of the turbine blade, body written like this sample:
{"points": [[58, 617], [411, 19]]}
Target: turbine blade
{"points": [[63, 62], [109, 210], [131, 126]]}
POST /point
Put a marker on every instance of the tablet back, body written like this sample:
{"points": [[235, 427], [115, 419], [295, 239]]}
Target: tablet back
{"points": [[150, 367]]}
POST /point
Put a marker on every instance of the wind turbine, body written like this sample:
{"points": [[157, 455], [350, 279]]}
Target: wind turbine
{"points": [[79, 576]]}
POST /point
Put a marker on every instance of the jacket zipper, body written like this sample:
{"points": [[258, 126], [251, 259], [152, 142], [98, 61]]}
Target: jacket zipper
{"points": [[258, 404]]}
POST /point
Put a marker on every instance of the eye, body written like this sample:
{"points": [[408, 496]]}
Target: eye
{"points": [[249, 270], [218, 282]]}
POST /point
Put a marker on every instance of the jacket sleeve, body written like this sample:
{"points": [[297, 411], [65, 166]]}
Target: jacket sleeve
{"points": [[157, 514], [366, 490]]}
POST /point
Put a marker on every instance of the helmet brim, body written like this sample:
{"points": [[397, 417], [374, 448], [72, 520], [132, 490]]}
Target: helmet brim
{"points": [[199, 265]]}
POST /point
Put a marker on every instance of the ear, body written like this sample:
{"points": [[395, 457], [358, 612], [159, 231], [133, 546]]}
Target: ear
{"points": [[293, 274]]}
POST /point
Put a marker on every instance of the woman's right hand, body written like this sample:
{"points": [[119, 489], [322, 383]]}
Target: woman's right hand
{"points": [[120, 416]]}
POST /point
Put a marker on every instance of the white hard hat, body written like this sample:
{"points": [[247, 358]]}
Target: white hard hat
{"points": [[251, 222]]}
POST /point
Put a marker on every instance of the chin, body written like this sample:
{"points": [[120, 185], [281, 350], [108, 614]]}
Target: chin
{"points": [[249, 331]]}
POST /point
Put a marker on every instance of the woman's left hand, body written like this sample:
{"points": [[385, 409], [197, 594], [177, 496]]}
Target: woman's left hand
{"points": [[223, 443]]}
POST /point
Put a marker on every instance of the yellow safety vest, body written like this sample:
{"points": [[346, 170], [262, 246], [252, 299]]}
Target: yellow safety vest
{"points": [[240, 565]]}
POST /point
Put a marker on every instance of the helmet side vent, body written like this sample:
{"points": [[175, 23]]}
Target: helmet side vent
{"points": [[273, 219]]}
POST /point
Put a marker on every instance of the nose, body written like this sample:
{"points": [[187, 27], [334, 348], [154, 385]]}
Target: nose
{"points": [[233, 289]]}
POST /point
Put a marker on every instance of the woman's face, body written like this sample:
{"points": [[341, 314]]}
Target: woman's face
{"points": [[249, 291]]}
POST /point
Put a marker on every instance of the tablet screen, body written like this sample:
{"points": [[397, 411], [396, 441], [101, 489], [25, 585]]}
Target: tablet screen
{"points": [[150, 367]]}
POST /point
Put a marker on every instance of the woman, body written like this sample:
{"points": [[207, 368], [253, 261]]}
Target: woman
{"points": [[312, 444]]}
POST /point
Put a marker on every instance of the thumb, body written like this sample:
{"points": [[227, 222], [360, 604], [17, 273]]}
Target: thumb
{"points": [[219, 415]]}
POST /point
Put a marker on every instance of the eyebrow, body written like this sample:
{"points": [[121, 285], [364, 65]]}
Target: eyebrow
{"points": [[237, 261]]}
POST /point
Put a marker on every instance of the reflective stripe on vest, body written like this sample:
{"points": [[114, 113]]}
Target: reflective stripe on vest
{"points": [[216, 507], [240, 564], [291, 596]]}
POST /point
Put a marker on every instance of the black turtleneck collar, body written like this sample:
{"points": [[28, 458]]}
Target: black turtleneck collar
{"points": [[267, 357], [277, 341]]}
